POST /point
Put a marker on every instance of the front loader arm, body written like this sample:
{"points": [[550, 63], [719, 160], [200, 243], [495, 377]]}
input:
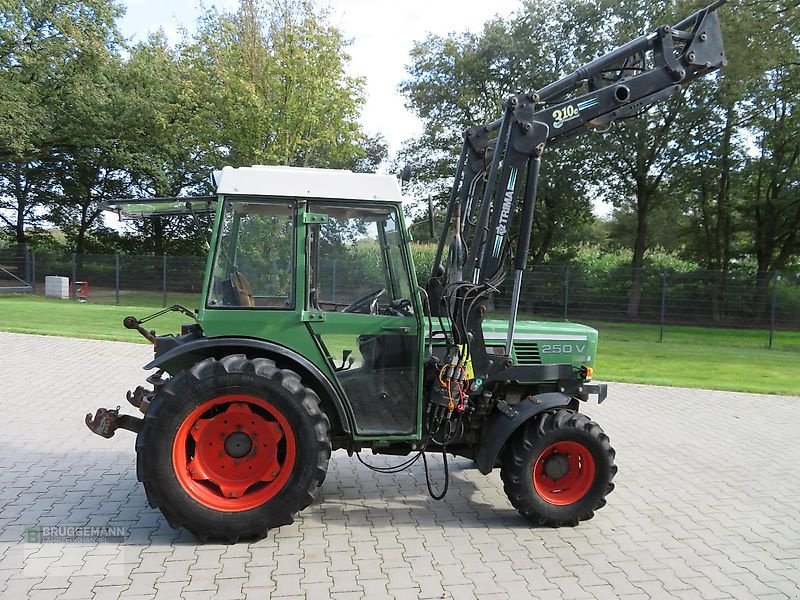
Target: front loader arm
{"points": [[678, 56], [500, 161]]}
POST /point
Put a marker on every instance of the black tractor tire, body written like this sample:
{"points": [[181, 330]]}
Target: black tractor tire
{"points": [[292, 465], [579, 457]]}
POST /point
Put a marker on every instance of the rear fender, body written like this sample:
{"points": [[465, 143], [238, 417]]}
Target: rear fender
{"points": [[504, 422], [189, 353]]}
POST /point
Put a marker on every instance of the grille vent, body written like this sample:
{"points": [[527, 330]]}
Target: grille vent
{"points": [[527, 353]]}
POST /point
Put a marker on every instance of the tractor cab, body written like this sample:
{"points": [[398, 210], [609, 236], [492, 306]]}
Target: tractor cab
{"points": [[321, 268]]}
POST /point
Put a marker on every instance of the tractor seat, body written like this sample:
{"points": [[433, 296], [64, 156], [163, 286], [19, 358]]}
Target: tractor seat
{"points": [[242, 289]]}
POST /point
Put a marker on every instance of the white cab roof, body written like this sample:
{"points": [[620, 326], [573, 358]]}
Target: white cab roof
{"points": [[302, 182]]}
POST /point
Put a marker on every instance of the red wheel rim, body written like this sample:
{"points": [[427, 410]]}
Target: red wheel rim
{"points": [[234, 452], [563, 473]]}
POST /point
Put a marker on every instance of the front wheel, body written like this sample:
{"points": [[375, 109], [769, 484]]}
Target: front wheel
{"points": [[557, 468], [232, 448]]}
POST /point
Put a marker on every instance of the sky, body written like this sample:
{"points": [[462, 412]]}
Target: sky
{"points": [[382, 34]]}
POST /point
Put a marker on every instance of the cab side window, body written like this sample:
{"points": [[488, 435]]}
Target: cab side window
{"points": [[254, 260]]}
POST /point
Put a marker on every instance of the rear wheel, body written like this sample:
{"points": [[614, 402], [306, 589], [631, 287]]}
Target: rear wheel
{"points": [[557, 468], [232, 448]]}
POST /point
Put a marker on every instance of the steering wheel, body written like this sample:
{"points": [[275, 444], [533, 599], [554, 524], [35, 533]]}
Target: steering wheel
{"points": [[401, 307], [369, 302]]}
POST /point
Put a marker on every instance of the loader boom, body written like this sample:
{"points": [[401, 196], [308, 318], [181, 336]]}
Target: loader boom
{"points": [[500, 162]]}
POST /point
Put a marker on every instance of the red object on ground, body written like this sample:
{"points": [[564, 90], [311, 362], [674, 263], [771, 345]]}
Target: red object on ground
{"points": [[82, 290]]}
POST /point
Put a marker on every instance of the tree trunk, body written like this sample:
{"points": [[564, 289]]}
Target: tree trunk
{"points": [[639, 248], [158, 236], [544, 245], [19, 230], [80, 248], [20, 192], [723, 231]]}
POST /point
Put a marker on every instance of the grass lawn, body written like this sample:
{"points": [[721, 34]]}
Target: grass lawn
{"points": [[135, 298], [49, 316], [723, 359]]}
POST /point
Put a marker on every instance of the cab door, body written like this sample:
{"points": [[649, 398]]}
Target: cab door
{"points": [[362, 308]]}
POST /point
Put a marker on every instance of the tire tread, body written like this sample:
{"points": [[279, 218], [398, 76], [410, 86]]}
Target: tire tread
{"points": [[202, 376], [517, 456]]}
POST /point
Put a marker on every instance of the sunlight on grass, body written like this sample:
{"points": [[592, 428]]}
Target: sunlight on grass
{"points": [[48, 316], [722, 359]]}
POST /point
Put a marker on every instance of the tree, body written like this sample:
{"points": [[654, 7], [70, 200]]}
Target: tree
{"points": [[641, 156], [268, 86], [80, 124], [770, 178], [161, 152], [461, 80], [86, 169], [737, 204], [773, 178], [23, 185], [44, 48]]}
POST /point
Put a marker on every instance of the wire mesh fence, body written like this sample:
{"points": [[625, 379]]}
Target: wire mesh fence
{"points": [[14, 275], [111, 279], [736, 298], [710, 298]]}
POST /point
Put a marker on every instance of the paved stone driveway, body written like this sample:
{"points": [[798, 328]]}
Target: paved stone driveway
{"points": [[706, 506]]}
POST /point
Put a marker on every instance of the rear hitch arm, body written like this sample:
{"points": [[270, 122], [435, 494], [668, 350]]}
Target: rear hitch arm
{"points": [[150, 336], [134, 323], [107, 420]]}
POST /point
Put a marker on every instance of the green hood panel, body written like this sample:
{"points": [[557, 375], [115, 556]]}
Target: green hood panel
{"points": [[494, 327], [545, 342]]}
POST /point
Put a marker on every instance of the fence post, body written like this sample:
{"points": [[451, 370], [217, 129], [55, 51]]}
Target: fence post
{"points": [[72, 295], [164, 283], [772, 307], [27, 275], [566, 292], [33, 271], [116, 278], [663, 307]]}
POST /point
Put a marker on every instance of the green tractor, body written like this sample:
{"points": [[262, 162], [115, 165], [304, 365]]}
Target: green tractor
{"points": [[289, 359]]}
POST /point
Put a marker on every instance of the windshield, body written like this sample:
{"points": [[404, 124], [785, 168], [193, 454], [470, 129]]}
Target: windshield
{"points": [[358, 255]]}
